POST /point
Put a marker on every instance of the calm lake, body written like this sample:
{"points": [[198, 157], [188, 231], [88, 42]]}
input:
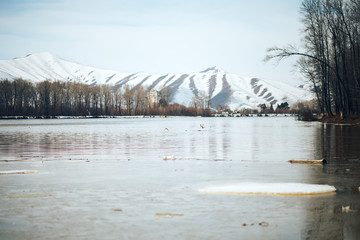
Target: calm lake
{"points": [[138, 178]]}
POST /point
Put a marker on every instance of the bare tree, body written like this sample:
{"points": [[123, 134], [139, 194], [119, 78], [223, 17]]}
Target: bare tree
{"points": [[165, 94], [6, 97], [44, 89], [331, 55], [95, 98], [140, 100], [129, 99]]}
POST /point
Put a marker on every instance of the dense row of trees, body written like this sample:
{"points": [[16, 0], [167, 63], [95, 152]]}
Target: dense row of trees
{"points": [[331, 56], [299, 107], [56, 98]]}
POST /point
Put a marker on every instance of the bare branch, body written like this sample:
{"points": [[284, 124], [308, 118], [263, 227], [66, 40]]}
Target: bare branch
{"points": [[282, 53]]}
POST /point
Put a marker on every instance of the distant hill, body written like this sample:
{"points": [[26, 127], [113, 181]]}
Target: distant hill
{"points": [[223, 88]]}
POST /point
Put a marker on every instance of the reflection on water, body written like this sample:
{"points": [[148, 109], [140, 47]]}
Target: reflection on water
{"points": [[338, 217], [90, 166], [341, 146], [231, 139]]}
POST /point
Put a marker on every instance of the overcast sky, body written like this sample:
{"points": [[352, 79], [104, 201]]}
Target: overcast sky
{"points": [[155, 36]]}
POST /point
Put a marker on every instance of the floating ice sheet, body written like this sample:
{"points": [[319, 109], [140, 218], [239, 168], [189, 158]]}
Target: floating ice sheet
{"points": [[282, 189], [17, 172], [34, 195]]}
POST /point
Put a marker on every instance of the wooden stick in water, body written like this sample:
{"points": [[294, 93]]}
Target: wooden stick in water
{"points": [[313, 162]]}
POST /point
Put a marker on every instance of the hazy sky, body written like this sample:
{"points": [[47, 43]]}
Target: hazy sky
{"points": [[155, 36]]}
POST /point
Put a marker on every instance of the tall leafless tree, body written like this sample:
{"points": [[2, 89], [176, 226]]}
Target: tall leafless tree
{"points": [[331, 55]]}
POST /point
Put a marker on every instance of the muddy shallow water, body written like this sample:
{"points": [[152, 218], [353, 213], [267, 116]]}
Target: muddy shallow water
{"points": [[138, 178]]}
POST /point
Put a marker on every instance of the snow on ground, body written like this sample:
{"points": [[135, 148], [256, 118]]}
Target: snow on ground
{"points": [[250, 188]]}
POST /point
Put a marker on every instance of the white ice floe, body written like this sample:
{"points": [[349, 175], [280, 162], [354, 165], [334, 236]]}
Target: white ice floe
{"points": [[18, 172], [285, 189]]}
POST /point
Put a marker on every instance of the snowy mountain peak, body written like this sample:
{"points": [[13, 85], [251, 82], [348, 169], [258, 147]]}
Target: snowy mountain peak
{"points": [[223, 89], [42, 55], [214, 69]]}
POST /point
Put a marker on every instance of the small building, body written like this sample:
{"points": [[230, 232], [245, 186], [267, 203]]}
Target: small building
{"points": [[154, 97], [225, 114]]}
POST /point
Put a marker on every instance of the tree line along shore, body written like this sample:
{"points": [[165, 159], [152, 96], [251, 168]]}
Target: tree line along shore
{"points": [[48, 99], [56, 98]]}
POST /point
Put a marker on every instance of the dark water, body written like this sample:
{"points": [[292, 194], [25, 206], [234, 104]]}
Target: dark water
{"points": [[90, 167], [340, 145]]}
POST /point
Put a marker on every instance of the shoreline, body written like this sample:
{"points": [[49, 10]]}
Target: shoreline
{"points": [[352, 120], [79, 117], [349, 120], [139, 116]]}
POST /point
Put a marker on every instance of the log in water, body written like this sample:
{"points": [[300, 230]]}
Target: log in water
{"points": [[307, 161]]}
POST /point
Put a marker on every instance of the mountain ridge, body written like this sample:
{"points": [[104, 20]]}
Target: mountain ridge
{"points": [[221, 87]]}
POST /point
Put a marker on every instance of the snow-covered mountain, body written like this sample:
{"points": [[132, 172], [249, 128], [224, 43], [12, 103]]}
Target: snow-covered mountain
{"points": [[221, 87]]}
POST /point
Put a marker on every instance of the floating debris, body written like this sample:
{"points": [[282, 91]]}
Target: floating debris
{"points": [[34, 195], [221, 160], [346, 209], [168, 215], [264, 224], [279, 189], [311, 162], [166, 158], [18, 172], [116, 209]]}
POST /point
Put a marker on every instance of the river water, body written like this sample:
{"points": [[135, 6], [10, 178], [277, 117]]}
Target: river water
{"points": [[138, 178]]}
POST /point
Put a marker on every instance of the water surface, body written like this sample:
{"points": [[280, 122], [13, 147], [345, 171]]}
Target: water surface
{"points": [[113, 178]]}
